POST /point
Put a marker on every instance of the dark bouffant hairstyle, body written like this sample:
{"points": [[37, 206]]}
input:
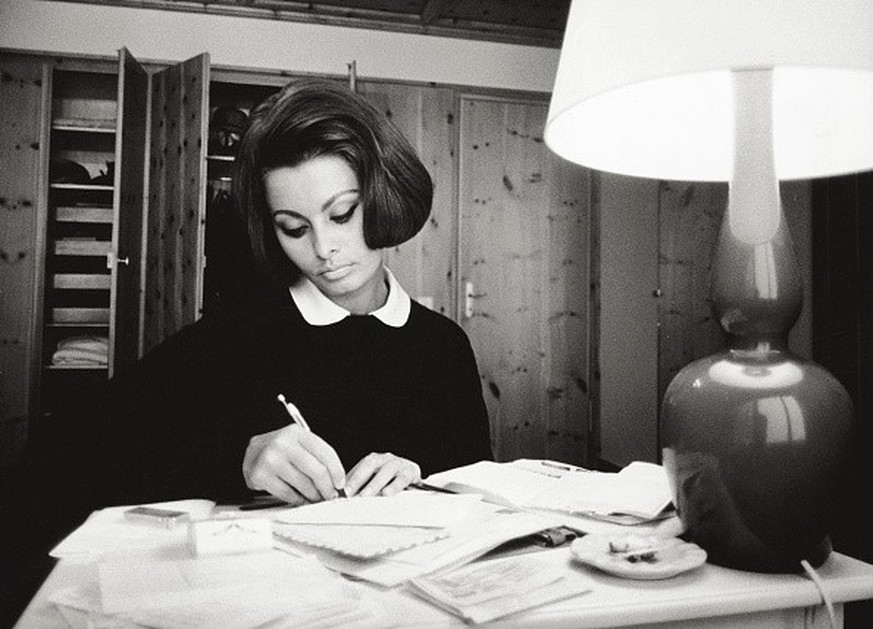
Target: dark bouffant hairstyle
{"points": [[308, 118]]}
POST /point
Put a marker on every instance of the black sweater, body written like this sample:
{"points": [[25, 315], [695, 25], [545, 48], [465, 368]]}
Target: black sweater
{"points": [[180, 421], [177, 424]]}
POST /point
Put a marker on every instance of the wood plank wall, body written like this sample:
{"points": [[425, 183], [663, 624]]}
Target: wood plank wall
{"points": [[20, 119], [524, 234], [426, 265], [173, 277]]}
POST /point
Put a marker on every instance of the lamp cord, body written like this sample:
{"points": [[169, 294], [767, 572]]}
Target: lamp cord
{"points": [[829, 605]]}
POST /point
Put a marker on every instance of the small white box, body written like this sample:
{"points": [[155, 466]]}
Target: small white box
{"points": [[223, 536]]}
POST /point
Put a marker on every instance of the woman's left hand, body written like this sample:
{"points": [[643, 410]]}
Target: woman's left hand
{"points": [[381, 474]]}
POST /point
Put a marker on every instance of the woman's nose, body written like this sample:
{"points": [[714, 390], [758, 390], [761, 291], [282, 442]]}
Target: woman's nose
{"points": [[324, 244]]}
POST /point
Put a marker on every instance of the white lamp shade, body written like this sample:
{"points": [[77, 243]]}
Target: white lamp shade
{"points": [[644, 86]]}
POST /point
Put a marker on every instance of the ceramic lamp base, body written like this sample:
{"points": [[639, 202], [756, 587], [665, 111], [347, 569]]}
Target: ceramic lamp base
{"points": [[755, 445]]}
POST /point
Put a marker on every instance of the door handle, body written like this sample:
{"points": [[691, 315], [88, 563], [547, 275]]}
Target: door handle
{"points": [[112, 260], [470, 296]]}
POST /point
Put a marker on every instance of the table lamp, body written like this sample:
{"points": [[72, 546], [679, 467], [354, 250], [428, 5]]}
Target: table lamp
{"points": [[754, 439]]}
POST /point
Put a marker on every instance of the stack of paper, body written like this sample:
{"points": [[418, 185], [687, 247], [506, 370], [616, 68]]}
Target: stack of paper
{"points": [[370, 527], [484, 527], [486, 590], [638, 493]]}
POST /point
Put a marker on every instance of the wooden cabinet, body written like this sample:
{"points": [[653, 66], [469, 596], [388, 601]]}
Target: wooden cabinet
{"points": [[89, 229]]}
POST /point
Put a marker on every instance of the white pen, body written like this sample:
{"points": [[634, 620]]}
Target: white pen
{"points": [[294, 412], [297, 417]]}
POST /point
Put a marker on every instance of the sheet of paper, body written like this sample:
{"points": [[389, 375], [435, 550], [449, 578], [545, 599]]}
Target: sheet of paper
{"points": [[500, 482], [358, 541], [408, 508], [254, 588], [487, 590], [108, 531], [483, 530]]}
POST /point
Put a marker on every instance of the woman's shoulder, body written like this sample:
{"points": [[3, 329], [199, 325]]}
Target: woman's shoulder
{"points": [[219, 334], [435, 326]]}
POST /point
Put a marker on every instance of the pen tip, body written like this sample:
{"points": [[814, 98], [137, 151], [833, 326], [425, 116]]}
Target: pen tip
{"points": [[281, 397]]}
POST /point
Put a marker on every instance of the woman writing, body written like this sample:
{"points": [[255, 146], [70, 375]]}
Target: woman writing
{"points": [[389, 389]]}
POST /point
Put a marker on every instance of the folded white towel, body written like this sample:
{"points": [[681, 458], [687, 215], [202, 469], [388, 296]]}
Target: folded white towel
{"points": [[73, 356], [94, 343]]}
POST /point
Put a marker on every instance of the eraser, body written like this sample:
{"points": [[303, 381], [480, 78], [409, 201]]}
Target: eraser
{"points": [[166, 518], [225, 536]]}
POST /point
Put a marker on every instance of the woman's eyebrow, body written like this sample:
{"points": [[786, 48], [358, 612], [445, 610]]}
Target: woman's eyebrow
{"points": [[324, 206], [333, 198]]}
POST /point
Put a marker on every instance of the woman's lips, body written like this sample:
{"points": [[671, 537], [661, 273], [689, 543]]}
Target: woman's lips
{"points": [[336, 273]]}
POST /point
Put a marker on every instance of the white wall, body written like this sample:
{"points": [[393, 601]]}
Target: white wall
{"points": [[154, 35], [628, 319]]}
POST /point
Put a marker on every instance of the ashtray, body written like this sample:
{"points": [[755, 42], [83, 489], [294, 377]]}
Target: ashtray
{"points": [[638, 557]]}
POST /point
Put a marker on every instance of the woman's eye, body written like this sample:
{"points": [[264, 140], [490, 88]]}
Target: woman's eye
{"points": [[346, 216], [293, 232]]}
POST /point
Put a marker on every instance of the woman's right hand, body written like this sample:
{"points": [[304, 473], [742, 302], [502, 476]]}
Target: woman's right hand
{"points": [[293, 464]]}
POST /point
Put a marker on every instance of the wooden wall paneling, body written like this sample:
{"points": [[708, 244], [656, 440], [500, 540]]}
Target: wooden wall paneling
{"points": [[690, 215], [484, 270], [124, 337], [593, 437], [569, 311], [425, 265], [195, 110], [154, 300], [177, 199], [509, 199], [21, 118]]}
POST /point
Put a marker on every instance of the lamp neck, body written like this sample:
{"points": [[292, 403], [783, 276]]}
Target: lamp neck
{"points": [[756, 288]]}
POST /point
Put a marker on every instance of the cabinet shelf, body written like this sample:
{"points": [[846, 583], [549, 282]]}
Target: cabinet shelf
{"points": [[83, 214], [82, 281], [79, 316], [85, 126], [76, 367], [81, 186], [221, 158], [82, 247]]}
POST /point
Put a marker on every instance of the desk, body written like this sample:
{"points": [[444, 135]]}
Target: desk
{"points": [[710, 596]]}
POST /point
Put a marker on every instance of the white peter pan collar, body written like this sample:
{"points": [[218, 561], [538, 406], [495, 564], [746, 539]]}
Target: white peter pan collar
{"points": [[317, 309]]}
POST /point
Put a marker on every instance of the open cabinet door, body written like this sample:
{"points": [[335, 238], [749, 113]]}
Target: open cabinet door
{"points": [[126, 258], [177, 199]]}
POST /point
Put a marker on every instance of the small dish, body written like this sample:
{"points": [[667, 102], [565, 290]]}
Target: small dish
{"points": [[633, 557]]}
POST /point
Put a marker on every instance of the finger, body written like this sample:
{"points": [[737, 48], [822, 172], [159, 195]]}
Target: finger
{"points": [[280, 460], [274, 474], [291, 473], [363, 471], [324, 453], [408, 473], [315, 468], [383, 476], [253, 452]]}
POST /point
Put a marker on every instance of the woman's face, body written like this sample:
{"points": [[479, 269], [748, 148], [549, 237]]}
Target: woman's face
{"points": [[318, 219]]}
